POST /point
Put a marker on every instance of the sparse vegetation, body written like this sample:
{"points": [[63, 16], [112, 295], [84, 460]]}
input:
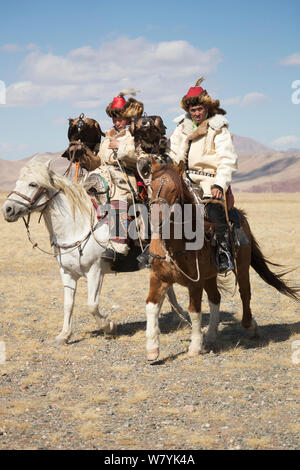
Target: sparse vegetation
{"points": [[99, 392]]}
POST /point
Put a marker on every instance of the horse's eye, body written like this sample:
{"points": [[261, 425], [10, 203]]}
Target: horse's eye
{"points": [[33, 185]]}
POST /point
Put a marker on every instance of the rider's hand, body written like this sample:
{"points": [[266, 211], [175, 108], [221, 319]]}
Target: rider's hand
{"points": [[216, 193], [114, 144]]}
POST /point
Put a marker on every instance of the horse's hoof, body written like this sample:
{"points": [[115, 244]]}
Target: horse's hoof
{"points": [[110, 328], [59, 340], [193, 352], [153, 354], [253, 330], [255, 334]]}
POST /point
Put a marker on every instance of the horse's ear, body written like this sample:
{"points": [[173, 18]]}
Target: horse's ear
{"points": [[181, 167]]}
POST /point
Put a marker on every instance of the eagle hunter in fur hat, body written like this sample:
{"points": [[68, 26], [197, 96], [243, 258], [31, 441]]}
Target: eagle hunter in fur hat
{"points": [[198, 96], [203, 142], [120, 108]]}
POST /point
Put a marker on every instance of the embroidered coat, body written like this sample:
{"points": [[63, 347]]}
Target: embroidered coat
{"points": [[210, 152]]}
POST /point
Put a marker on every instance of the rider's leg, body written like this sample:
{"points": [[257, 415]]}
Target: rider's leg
{"points": [[216, 214], [118, 225]]}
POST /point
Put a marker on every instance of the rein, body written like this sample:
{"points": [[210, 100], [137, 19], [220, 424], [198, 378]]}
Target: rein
{"points": [[31, 206], [31, 200], [168, 257]]}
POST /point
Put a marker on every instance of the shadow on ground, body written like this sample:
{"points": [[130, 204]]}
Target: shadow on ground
{"points": [[231, 334]]}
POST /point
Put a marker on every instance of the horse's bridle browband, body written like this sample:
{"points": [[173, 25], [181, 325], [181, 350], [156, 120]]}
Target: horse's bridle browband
{"points": [[160, 199], [39, 193]]}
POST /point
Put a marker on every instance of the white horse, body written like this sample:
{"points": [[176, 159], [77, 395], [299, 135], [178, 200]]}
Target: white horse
{"points": [[76, 235]]}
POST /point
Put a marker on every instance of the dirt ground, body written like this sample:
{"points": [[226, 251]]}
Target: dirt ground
{"points": [[100, 393]]}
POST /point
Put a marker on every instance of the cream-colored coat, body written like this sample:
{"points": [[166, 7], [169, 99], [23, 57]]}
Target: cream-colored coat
{"points": [[109, 168], [211, 151], [125, 153]]}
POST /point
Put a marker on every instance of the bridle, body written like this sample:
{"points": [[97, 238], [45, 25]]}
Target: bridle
{"points": [[31, 206], [168, 257], [159, 199], [33, 200]]}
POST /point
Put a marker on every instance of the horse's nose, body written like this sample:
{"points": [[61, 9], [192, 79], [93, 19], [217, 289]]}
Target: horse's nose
{"points": [[8, 210]]}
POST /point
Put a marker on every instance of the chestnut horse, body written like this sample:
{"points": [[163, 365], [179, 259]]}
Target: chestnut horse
{"points": [[172, 263]]}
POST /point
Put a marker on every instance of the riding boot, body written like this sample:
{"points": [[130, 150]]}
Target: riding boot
{"points": [[224, 257], [118, 224]]}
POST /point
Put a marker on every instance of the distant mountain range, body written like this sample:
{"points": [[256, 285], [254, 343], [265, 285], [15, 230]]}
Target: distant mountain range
{"points": [[245, 145], [261, 169], [268, 172]]}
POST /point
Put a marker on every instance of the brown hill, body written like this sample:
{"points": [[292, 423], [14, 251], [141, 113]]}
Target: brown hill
{"points": [[245, 145], [267, 171]]}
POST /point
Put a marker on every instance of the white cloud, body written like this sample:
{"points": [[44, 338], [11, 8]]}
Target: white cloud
{"points": [[253, 99], [29, 93], [287, 141], [293, 59], [90, 77], [250, 99], [236, 100]]}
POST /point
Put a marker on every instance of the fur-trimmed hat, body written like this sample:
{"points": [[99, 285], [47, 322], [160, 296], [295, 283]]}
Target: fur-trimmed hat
{"points": [[121, 108], [197, 95]]}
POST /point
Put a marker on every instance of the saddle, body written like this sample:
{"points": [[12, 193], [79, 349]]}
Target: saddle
{"points": [[98, 189]]}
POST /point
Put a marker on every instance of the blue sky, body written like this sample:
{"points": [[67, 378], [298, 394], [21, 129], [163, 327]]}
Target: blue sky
{"points": [[59, 59]]}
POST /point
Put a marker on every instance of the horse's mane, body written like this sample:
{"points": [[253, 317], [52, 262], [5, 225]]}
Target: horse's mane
{"points": [[183, 192], [40, 173]]}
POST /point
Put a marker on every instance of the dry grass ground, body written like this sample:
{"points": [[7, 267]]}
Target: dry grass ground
{"points": [[100, 393]]}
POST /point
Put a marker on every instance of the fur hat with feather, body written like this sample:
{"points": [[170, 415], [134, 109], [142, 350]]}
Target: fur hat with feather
{"points": [[197, 95], [119, 107]]}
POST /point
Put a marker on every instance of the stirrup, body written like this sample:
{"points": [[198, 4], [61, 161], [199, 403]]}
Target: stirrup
{"points": [[228, 266], [144, 258]]}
